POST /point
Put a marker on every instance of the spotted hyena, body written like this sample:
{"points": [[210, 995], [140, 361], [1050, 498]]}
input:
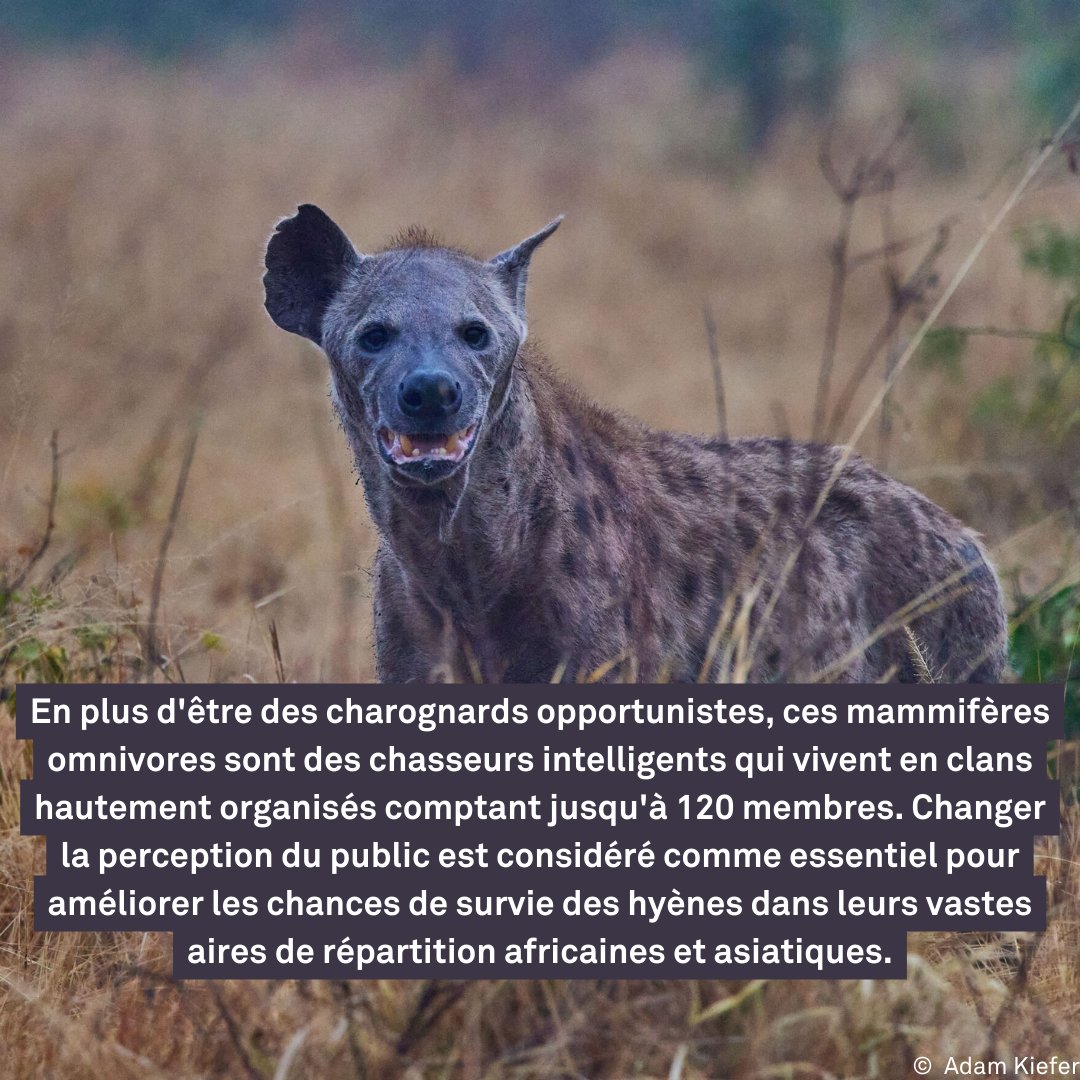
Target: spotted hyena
{"points": [[526, 533]]}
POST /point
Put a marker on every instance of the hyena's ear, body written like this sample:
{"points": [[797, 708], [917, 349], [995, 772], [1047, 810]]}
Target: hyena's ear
{"points": [[307, 260], [513, 264]]}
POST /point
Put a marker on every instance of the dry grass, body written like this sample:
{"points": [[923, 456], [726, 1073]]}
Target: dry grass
{"points": [[133, 210], [89, 1006]]}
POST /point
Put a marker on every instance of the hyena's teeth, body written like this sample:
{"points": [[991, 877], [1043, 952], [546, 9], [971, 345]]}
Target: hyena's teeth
{"points": [[415, 453], [452, 443], [406, 445]]}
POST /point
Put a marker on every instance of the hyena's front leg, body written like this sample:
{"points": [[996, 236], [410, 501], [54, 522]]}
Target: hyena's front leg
{"points": [[412, 641]]}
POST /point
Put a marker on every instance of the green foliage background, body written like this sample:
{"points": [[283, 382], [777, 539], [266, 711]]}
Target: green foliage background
{"points": [[1030, 420], [778, 54]]}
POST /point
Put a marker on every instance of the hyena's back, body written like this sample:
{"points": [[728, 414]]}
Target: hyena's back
{"points": [[728, 517], [612, 542]]}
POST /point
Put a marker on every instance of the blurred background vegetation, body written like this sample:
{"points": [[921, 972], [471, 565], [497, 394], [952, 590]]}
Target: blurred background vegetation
{"points": [[710, 150], [778, 54]]}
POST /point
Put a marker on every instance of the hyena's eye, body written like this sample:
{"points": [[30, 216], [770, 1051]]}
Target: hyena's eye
{"points": [[374, 338], [475, 335]]}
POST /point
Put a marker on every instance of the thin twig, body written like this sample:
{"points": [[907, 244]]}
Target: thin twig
{"points": [[1049, 336], [222, 341], [343, 992], [896, 247], [50, 519], [888, 409], [882, 336], [8, 588], [962, 272], [437, 996], [780, 419], [275, 648], [236, 1038], [892, 277], [289, 1054], [870, 175], [837, 282], [717, 371], [903, 296], [848, 449], [151, 658]]}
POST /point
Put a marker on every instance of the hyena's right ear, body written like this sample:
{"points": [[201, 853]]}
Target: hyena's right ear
{"points": [[307, 261]]}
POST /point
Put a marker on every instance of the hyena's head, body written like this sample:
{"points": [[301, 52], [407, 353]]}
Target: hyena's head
{"points": [[421, 339]]}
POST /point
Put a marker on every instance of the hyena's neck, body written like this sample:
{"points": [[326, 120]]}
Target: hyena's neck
{"points": [[464, 544]]}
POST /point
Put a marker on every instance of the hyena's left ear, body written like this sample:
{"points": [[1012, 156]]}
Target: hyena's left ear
{"points": [[307, 261], [513, 264]]}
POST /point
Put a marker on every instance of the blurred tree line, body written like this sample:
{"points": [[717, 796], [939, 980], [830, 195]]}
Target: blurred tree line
{"points": [[777, 54]]}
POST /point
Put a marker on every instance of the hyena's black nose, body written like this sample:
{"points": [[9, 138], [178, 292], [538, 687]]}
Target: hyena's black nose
{"points": [[429, 395]]}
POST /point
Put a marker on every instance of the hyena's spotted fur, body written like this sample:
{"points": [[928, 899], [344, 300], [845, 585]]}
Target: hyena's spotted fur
{"points": [[568, 539]]}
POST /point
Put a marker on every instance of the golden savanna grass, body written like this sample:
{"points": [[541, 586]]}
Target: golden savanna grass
{"points": [[134, 205]]}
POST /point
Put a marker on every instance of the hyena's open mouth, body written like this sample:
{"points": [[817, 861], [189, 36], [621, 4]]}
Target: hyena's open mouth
{"points": [[405, 449]]}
